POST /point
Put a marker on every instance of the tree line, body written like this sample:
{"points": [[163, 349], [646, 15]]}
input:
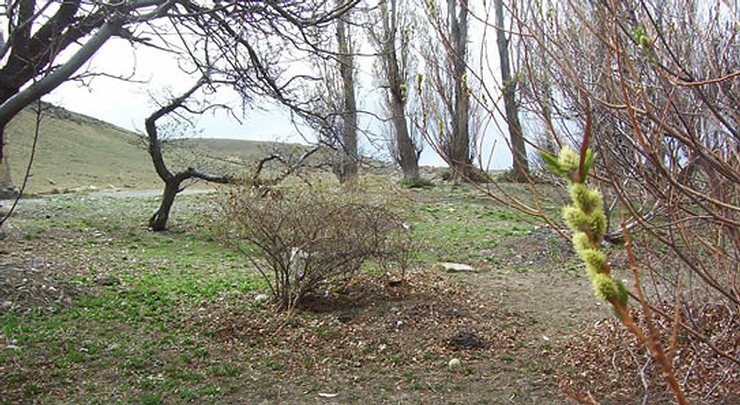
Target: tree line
{"points": [[420, 54]]}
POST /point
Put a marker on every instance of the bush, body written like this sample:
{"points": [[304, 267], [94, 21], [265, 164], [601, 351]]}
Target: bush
{"points": [[300, 241]]}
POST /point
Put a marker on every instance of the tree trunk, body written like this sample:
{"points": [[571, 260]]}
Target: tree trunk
{"points": [[158, 221], [406, 154], [520, 166], [459, 148], [6, 181], [348, 157], [408, 159]]}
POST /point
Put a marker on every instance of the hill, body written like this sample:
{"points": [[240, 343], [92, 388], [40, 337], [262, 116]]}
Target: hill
{"points": [[75, 151]]}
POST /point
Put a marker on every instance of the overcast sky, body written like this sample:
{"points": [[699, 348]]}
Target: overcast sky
{"points": [[127, 104]]}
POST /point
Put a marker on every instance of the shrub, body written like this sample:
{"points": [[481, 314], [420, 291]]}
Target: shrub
{"points": [[302, 240], [586, 219]]}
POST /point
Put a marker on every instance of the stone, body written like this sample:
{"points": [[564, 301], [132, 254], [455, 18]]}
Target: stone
{"points": [[454, 364], [8, 192], [457, 267], [261, 298]]}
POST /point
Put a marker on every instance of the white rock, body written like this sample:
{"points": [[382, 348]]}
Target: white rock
{"points": [[454, 364], [457, 267], [261, 298]]}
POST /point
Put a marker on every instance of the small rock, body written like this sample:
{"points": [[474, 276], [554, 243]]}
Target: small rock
{"points": [[8, 192], [454, 364], [457, 267], [261, 298]]}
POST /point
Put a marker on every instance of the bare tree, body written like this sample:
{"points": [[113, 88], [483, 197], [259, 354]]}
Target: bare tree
{"points": [[346, 167], [520, 166], [39, 31], [240, 42], [392, 36], [246, 48], [650, 86], [173, 181], [446, 75]]}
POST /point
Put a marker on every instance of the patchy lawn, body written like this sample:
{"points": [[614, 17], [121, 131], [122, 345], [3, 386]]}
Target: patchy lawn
{"points": [[96, 309]]}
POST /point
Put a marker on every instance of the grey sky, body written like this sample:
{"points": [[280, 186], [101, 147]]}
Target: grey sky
{"points": [[127, 104]]}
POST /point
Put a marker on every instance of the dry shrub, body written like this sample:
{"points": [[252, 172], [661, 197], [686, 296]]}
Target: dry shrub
{"points": [[610, 363], [302, 240]]}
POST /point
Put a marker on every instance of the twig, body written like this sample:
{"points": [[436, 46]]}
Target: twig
{"points": [[653, 342]]}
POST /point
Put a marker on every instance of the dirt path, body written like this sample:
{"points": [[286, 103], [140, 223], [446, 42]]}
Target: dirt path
{"points": [[106, 193], [556, 305], [551, 308]]}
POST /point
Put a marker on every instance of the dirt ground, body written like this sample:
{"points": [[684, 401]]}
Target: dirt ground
{"points": [[507, 333], [373, 340]]}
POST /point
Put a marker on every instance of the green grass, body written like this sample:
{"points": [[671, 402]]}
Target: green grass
{"points": [[75, 151], [71, 152], [136, 331], [459, 230], [147, 338]]}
